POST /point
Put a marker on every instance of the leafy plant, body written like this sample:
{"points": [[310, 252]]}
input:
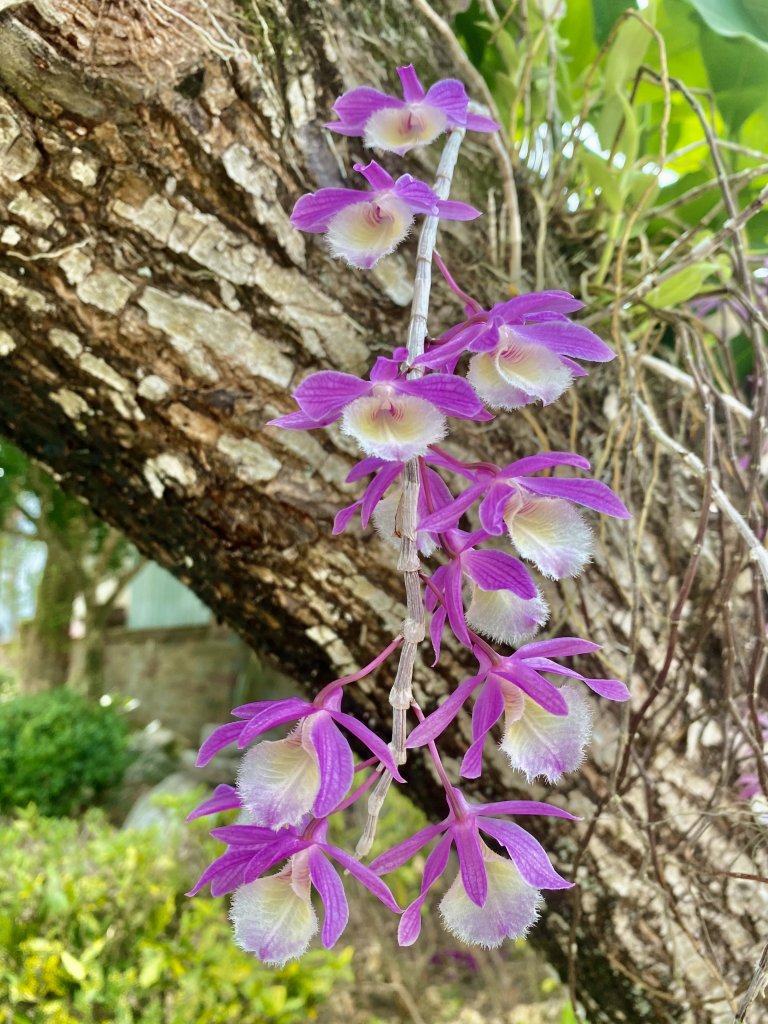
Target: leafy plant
{"points": [[59, 750], [96, 927]]}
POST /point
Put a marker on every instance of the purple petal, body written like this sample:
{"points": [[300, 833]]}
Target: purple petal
{"points": [[219, 738], [376, 488], [268, 856], [523, 306], [491, 509], [379, 179], [313, 212], [331, 890], [527, 853], [229, 867], [478, 123], [410, 922], [436, 627], [471, 863], [545, 460], [224, 798], [525, 807], [365, 876], [246, 835], [566, 339], [440, 719], [398, 855], [488, 709], [259, 707], [451, 97], [545, 694], [299, 421], [418, 195], [453, 396], [326, 393], [496, 570], [439, 354], [591, 493], [343, 517], [356, 106], [376, 746], [611, 689], [560, 647], [413, 90], [282, 711], [450, 209], [472, 762], [335, 761], [454, 604], [364, 468], [447, 518]]}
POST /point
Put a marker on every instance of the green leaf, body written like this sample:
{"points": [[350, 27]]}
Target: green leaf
{"points": [[735, 18], [606, 13], [74, 968], [682, 286], [273, 999]]}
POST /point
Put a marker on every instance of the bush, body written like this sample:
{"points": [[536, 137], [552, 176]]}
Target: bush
{"points": [[59, 750], [95, 928]]}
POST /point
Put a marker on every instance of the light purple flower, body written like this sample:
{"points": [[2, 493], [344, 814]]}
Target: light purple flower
{"points": [[539, 514], [273, 916], [505, 603], [547, 726], [398, 126], [507, 903], [523, 349], [280, 781], [362, 226], [391, 417]]}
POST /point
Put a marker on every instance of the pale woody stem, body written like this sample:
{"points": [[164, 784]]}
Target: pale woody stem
{"points": [[408, 562]]}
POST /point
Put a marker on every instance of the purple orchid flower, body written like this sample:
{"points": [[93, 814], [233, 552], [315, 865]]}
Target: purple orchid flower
{"points": [[381, 498], [273, 916], [398, 126], [505, 605], [491, 898], [389, 416], [280, 781], [361, 226], [524, 349], [547, 727], [539, 514]]}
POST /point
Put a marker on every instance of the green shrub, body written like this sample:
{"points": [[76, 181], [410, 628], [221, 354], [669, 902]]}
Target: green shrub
{"points": [[95, 927], [58, 750]]}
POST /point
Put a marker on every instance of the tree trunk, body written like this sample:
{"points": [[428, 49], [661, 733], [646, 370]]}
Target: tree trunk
{"points": [[46, 644], [156, 308]]}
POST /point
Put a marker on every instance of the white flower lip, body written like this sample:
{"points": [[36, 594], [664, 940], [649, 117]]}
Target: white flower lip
{"points": [[364, 232], [399, 129], [393, 426]]}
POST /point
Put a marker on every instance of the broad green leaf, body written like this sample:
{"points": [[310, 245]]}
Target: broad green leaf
{"points": [[626, 54], [73, 966], [736, 18], [604, 176], [606, 13], [682, 286]]}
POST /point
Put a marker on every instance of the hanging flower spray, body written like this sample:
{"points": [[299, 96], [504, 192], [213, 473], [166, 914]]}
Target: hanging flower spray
{"points": [[518, 352]]}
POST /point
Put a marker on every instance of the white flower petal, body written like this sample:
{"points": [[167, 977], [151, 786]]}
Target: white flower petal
{"points": [[384, 519], [550, 532], [278, 781], [398, 129], [539, 743], [393, 426], [518, 373], [503, 616], [510, 909], [273, 917], [364, 232]]}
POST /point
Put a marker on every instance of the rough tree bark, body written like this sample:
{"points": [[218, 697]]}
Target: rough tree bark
{"points": [[156, 308]]}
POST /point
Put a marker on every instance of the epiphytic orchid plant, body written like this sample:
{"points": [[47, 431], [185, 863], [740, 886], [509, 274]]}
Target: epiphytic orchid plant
{"points": [[421, 497]]}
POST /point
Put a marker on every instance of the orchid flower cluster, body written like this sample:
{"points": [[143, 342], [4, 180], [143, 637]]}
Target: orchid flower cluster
{"points": [[484, 526]]}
